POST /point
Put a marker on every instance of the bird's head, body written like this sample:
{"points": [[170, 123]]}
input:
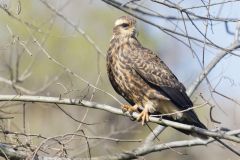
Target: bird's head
{"points": [[125, 26]]}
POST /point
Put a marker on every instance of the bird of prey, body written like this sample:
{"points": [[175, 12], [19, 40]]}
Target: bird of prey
{"points": [[144, 80]]}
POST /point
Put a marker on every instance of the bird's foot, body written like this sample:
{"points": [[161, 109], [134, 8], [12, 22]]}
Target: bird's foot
{"points": [[144, 116], [128, 108]]}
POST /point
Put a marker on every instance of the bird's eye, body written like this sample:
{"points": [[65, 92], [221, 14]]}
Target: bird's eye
{"points": [[125, 25]]}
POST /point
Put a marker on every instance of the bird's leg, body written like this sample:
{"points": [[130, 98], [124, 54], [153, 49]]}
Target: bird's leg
{"points": [[144, 116], [129, 108]]}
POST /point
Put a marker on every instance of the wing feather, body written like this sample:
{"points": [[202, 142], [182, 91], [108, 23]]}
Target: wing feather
{"points": [[156, 73]]}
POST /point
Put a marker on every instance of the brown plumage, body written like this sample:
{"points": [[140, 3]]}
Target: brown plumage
{"points": [[144, 80]]}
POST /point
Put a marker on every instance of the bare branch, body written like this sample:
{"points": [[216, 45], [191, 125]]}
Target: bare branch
{"points": [[79, 30], [133, 154], [158, 130], [11, 153], [210, 66], [111, 109]]}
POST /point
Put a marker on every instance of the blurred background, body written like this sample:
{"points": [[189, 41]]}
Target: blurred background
{"points": [[58, 48]]}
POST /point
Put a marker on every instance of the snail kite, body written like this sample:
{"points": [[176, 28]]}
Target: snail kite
{"points": [[144, 80]]}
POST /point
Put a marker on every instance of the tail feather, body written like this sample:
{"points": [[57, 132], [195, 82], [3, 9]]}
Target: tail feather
{"points": [[190, 118]]}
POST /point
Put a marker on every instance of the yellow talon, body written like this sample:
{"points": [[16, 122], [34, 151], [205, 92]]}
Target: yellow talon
{"points": [[144, 116], [129, 108]]}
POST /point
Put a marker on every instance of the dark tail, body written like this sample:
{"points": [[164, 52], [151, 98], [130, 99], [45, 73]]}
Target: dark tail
{"points": [[194, 134], [191, 118]]}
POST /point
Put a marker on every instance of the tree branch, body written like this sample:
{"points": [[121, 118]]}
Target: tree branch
{"points": [[146, 149], [9, 152], [210, 66], [94, 105]]}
